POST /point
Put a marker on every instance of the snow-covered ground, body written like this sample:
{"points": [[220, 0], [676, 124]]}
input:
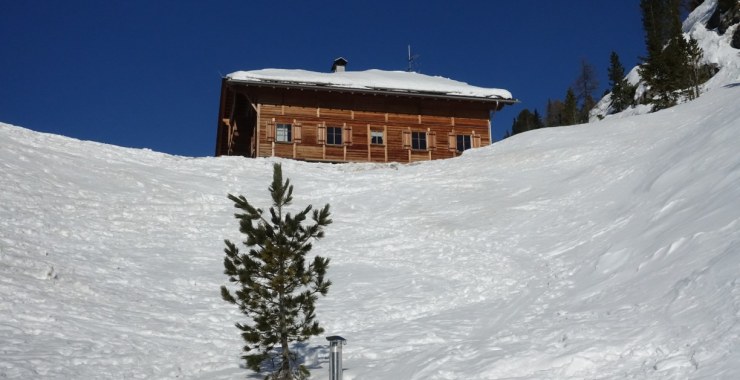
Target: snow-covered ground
{"points": [[604, 252], [607, 251]]}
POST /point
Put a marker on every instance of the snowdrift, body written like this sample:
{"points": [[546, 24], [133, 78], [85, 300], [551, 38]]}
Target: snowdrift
{"points": [[602, 252]]}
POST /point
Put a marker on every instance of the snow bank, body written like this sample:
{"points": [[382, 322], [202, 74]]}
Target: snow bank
{"points": [[568, 253]]}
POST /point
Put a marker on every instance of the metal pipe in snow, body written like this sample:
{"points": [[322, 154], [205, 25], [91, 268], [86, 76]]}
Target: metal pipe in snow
{"points": [[335, 356]]}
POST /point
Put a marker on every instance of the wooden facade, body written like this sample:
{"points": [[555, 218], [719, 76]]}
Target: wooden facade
{"points": [[324, 123]]}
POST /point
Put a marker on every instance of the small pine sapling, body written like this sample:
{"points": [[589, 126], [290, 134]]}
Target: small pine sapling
{"points": [[272, 285]]}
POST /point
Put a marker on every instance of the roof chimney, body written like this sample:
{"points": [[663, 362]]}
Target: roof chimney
{"points": [[339, 65]]}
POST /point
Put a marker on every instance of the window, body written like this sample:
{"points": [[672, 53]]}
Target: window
{"points": [[282, 133], [463, 142], [419, 140], [334, 135], [376, 137]]}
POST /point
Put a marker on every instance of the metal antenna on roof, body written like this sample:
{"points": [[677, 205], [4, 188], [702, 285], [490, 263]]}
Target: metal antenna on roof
{"points": [[412, 61]]}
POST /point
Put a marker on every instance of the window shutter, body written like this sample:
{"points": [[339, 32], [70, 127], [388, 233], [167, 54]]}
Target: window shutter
{"points": [[347, 138], [432, 143], [452, 141], [297, 132], [476, 141], [321, 135], [406, 139], [270, 131]]}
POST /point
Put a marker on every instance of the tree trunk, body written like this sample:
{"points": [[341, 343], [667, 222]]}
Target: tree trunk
{"points": [[285, 373]]}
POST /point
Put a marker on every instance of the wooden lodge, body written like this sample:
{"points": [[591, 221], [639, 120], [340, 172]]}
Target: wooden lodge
{"points": [[342, 116]]}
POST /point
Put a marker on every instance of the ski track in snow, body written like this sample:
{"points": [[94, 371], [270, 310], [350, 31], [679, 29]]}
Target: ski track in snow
{"points": [[596, 253]]}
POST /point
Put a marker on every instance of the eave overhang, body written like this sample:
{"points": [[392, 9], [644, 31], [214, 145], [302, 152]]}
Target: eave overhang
{"points": [[496, 101]]}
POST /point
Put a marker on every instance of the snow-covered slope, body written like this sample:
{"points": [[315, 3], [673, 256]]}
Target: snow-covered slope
{"points": [[717, 51], [569, 253]]}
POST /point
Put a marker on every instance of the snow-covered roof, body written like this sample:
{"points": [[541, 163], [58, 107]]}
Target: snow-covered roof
{"points": [[372, 80]]}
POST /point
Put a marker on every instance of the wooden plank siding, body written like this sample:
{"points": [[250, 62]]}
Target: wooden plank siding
{"points": [[311, 113]]}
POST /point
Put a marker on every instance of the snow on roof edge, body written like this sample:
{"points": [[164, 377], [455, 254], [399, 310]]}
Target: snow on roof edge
{"points": [[376, 80]]}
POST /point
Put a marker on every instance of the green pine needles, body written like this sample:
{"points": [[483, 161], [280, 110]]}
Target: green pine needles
{"points": [[273, 286], [672, 68]]}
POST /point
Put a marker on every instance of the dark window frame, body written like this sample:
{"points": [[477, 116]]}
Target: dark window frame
{"points": [[334, 135], [463, 141], [419, 140], [374, 139], [288, 128]]}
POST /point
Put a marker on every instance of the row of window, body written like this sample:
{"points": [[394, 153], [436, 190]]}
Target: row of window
{"points": [[284, 133]]}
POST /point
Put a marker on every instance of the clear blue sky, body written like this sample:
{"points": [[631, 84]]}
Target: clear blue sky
{"points": [[147, 73]]}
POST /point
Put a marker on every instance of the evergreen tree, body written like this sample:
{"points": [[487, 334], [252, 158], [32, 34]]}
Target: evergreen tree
{"points": [[554, 116], [273, 286], [695, 54], [526, 121], [622, 92], [662, 22], [690, 5], [570, 109], [537, 119], [666, 69]]}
